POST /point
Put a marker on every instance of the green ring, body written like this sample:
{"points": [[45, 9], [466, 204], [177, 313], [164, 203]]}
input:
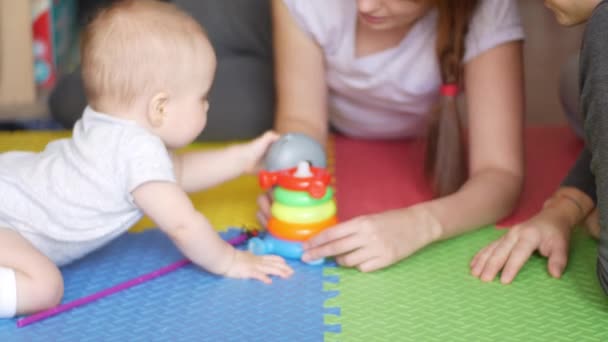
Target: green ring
{"points": [[300, 198], [303, 215]]}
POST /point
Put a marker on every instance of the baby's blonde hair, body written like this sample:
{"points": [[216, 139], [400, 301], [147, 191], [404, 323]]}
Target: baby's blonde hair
{"points": [[135, 48]]}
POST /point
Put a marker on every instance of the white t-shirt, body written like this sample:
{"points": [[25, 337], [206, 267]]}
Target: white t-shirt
{"points": [[79, 189], [388, 94]]}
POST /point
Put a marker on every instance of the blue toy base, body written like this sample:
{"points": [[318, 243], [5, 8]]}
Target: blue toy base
{"points": [[272, 245]]}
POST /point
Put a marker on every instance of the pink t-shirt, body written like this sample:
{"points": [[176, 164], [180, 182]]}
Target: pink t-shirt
{"points": [[388, 94]]}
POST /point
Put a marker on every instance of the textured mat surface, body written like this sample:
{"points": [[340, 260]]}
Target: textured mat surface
{"points": [[431, 297], [428, 297], [185, 305], [398, 179]]}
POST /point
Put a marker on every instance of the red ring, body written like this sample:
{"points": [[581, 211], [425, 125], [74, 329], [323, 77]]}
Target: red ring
{"points": [[315, 185]]}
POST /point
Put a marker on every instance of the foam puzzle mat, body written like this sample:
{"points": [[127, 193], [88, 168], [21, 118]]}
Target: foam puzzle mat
{"points": [[396, 170], [187, 304], [431, 297], [428, 297]]}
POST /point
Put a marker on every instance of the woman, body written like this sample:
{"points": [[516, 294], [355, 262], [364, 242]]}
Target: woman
{"points": [[382, 69]]}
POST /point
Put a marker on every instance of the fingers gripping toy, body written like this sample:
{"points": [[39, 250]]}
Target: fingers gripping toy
{"points": [[304, 202]]}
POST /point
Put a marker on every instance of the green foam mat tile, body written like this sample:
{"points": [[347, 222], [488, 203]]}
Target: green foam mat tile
{"points": [[431, 296]]}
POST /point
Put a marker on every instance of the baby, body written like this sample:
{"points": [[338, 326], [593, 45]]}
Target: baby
{"points": [[147, 69]]}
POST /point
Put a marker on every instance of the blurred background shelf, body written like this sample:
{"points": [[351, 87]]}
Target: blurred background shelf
{"points": [[37, 45], [37, 108]]}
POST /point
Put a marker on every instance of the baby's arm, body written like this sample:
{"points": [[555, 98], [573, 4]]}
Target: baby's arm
{"points": [[169, 206], [196, 171]]}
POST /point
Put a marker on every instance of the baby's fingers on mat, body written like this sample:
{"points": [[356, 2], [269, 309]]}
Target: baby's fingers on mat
{"points": [[282, 271], [274, 259], [261, 276]]}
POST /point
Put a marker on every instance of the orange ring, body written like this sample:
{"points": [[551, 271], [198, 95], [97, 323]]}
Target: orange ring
{"points": [[315, 185], [298, 232]]}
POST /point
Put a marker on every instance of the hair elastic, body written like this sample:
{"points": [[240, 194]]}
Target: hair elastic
{"points": [[449, 89]]}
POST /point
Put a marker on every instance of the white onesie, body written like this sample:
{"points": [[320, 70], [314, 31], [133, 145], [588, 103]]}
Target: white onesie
{"points": [[75, 196], [388, 94]]}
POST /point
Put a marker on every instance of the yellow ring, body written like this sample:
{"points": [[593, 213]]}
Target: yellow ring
{"points": [[298, 232], [303, 215]]}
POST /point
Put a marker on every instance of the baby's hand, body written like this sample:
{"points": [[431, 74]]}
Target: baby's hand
{"points": [[248, 266], [254, 151]]}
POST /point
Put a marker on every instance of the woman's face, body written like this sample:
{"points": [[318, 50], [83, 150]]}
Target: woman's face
{"points": [[391, 14], [571, 12]]}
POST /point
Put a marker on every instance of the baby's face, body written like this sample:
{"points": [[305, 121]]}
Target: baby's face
{"points": [[187, 106], [571, 12]]}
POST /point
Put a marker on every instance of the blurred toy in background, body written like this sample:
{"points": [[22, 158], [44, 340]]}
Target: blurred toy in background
{"points": [[54, 26], [304, 205]]}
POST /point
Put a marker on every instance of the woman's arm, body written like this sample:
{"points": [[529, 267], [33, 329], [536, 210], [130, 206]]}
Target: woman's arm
{"points": [[494, 86], [495, 102], [300, 78]]}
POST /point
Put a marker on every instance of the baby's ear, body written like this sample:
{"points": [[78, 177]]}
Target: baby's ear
{"points": [[157, 109]]}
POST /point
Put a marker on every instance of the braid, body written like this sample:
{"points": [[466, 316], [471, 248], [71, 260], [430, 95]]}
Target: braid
{"points": [[445, 157]]}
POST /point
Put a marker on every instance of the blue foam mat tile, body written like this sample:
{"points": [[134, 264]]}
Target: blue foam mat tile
{"points": [[185, 305]]}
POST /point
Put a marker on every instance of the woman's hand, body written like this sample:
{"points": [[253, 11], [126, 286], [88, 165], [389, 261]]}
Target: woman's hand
{"points": [[372, 242], [264, 204], [548, 233]]}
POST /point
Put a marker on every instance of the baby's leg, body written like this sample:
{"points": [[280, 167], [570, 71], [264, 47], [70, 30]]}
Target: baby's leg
{"points": [[29, 281]]}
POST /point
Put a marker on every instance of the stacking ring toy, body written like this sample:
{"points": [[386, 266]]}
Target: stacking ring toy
{"points": [[315, 185], [300, 198], [303, 215], [298, 232]]}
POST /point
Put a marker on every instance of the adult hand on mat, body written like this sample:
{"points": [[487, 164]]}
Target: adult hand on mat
{"points": [[372, 242], [245, 265], [548, 233]]}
